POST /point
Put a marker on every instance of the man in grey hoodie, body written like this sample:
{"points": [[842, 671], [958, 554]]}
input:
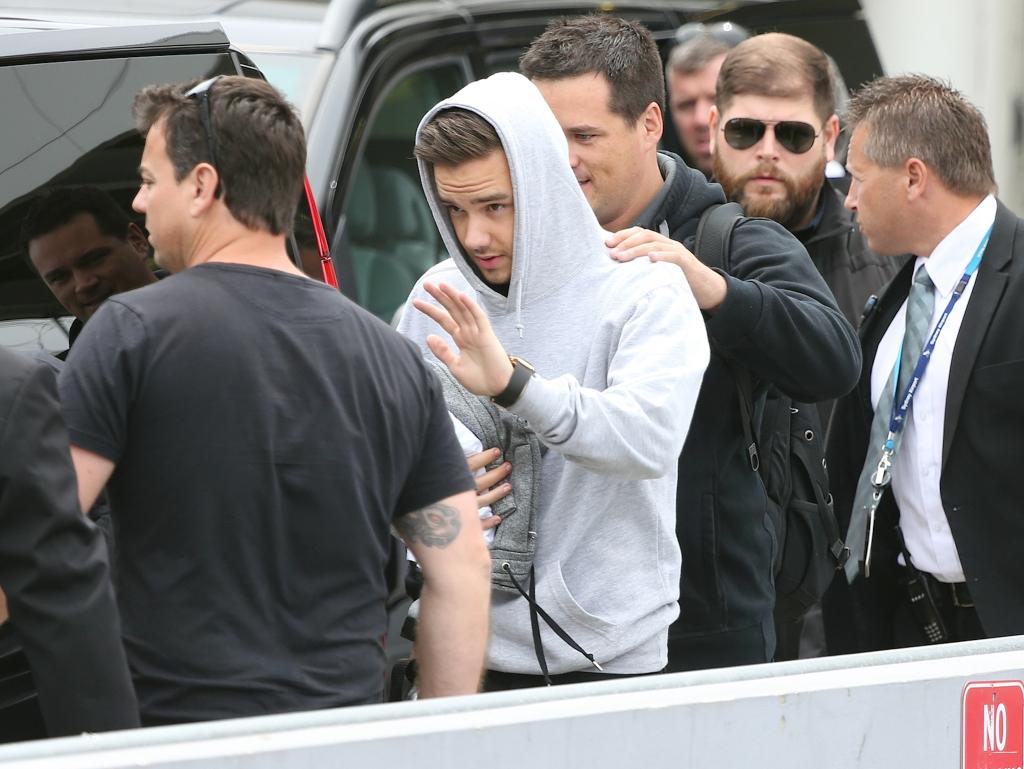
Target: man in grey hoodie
{"points": [[616, 356]]}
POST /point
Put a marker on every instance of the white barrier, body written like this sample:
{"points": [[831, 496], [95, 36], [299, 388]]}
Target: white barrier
{"points": [[892, 709]]}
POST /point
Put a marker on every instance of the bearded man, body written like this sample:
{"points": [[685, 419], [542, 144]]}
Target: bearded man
{"points": [[773, 130]]}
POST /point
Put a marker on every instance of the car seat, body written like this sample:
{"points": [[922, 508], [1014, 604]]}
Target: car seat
{"points": [[363, 235], [410, 244]]}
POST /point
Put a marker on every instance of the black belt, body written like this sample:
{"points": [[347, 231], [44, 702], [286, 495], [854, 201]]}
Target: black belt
{"points": [[955, 593]]}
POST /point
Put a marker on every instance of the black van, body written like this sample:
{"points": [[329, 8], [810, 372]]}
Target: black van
{"points": [[375, 69]]}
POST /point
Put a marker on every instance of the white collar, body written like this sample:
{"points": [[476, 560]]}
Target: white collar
{"points": [[948, 261]]}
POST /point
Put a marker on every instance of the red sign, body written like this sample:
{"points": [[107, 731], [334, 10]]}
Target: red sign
{"points": [[992, 725]]}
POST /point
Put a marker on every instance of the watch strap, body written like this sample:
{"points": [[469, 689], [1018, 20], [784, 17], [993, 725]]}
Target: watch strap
{"points": [[521, 374]]}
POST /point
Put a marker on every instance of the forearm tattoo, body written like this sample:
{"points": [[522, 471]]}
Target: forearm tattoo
{"points": [[434, 526]]}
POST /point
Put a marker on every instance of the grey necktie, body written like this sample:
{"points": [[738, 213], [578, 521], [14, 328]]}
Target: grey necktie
{"points": [[920, 304]]}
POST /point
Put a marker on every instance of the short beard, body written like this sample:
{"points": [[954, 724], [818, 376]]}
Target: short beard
{"points": [[790, 211]]}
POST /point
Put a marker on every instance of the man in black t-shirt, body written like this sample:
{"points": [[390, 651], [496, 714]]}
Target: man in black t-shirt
{"points": [[260, 434]]}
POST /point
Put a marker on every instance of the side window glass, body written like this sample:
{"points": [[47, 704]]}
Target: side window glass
{"points": [[68, 174], [391, 235]]}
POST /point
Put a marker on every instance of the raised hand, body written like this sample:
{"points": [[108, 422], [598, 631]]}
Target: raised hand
{"points": [[480, 363]]}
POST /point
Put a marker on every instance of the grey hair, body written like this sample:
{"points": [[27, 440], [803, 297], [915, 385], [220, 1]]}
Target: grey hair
{"points": [[917, 116], [694, 55]]}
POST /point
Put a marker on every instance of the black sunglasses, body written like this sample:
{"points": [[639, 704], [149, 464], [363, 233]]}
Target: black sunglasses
{"points": [[742, 133], [201, 93], [723, 31]]}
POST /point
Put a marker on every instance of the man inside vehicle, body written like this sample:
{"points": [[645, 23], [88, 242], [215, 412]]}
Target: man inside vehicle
{"points": [[86, 249]]}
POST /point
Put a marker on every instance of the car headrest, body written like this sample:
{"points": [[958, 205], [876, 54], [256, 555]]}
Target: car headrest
{"points": [[407, 208]]}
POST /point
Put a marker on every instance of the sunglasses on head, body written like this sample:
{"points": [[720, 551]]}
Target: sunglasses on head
{"points": [[742, 133], [201, 93], [723, 31]]}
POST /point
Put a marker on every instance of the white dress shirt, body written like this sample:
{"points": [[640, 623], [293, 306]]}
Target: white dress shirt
{"points": [[915, 473]]}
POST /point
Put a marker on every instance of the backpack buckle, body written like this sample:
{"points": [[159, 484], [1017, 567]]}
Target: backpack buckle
{"points": [[754, 457], [841, 553]]}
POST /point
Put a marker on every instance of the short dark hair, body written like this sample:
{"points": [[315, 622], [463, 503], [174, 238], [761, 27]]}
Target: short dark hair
{"points": [[56, 207], [779, 65], [623, 51], [926, 118], [261, 146], [454, 136]]}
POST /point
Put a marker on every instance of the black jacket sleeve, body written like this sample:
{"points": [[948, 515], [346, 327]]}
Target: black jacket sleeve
{"points": [[53, 564], [780, 320]]}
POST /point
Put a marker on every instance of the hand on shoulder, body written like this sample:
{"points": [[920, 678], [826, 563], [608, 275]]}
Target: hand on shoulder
{"points": [[709, 287]]}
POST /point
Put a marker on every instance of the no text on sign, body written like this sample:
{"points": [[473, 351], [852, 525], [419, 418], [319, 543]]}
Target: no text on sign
{"points": [[992, 725]]}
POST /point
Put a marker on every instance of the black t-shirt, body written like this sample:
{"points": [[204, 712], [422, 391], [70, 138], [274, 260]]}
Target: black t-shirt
{"points": [[266, 432]]}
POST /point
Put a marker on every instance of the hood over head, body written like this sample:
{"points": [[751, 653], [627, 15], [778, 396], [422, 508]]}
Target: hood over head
{"points": [[556, 232]]}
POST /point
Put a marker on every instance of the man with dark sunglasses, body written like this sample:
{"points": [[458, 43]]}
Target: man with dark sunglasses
{"points": [[774, 129], [771, 313], [266, 433]]}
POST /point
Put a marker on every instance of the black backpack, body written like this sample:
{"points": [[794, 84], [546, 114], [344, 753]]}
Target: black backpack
{"points": [[785, 445]]}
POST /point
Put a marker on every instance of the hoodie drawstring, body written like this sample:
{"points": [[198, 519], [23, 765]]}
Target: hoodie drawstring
{"points": [[519, 303], [535, 610]]}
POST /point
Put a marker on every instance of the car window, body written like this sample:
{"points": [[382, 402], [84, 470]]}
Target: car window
{"points": [[35, 335], [68, 125], [391, 237]]}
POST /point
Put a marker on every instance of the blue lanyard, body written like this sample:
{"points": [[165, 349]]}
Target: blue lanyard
{"points": [[901, 406]]}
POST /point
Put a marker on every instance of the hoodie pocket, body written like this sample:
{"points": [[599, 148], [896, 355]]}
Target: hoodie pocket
{"points": [[552, 591], [702, 600]]}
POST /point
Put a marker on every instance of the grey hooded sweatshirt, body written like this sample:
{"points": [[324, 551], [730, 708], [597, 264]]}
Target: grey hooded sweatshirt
{"points": [[620, 350]]}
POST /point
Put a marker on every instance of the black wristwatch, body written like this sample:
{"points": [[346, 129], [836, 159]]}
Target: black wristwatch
{"points": [[521, 373]]}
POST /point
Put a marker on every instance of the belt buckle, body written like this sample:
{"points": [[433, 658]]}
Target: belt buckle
{"points": [[954, 589]]}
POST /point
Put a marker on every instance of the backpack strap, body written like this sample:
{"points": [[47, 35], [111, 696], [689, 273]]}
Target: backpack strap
{"points": [[713, 246], [816, 473], [714, 234], [745, 396]]}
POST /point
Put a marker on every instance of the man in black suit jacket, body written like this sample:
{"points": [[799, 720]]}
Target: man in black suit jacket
{"points": [[53, 564], [923, 184]]}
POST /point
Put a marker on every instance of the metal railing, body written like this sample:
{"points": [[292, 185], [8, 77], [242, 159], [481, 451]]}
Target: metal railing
{"points": [[888, 709]]}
